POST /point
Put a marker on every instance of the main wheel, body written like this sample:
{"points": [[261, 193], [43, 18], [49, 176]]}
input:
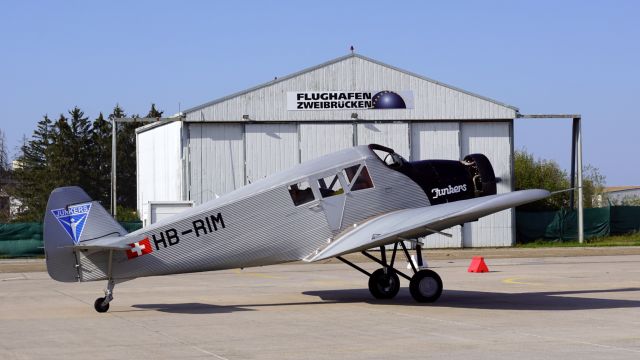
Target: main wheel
{"points": [[99, 305], [384, 285], [425, 286]]}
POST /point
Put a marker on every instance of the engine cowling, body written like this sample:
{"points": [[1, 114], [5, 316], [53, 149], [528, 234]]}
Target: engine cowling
{"points": [[481, 173], [444, 180], [449, 180]]}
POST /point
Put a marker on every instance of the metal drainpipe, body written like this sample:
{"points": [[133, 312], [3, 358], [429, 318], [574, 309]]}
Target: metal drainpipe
{"points": [[580, 196]]}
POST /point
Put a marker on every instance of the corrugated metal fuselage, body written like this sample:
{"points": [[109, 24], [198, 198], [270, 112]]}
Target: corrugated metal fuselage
{"points": [[259, 224]]}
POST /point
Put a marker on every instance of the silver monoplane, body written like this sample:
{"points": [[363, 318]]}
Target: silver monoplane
{"points": [[349, 201]]}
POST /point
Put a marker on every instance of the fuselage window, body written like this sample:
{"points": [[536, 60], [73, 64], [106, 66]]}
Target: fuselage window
{"points": [[330, 186], [301, 193], [362, 179]]}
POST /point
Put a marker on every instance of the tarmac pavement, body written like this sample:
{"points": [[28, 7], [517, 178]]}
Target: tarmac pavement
{"points": [[584, 307]]}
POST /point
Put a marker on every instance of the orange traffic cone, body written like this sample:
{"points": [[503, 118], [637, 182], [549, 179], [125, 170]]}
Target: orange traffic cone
{"points": [[478, 265]]}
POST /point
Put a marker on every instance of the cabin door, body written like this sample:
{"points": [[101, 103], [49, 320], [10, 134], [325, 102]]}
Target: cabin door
{"points": [[333, 198], [334, 210]]}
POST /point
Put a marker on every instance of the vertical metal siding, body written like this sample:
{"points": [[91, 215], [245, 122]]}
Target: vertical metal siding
{"points": [[432, 100], [493, 140], [393, 135], [320, 139], [437, 140], [159, 165], [270, 148], [217, 154]]}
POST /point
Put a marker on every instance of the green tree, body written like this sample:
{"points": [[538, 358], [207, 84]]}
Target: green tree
{"points": [[126, 157], [74, 151], [100, 160], [5, 179], [531, 173], [628, 200], [70, 151], [33, 179], [4, 155], [58, 154], [592, 185]]}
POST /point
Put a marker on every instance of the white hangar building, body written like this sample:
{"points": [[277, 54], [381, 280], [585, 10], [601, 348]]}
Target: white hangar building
{"points": [[226, 143]]}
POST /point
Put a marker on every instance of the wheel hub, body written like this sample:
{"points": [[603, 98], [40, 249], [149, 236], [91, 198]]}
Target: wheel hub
{"points": [[428, 286]]}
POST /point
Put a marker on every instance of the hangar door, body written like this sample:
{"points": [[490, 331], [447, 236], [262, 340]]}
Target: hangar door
{"points": [[494, 140], [216, 153], [270, 148], [393, 135], [437, 140], [321, 139]]}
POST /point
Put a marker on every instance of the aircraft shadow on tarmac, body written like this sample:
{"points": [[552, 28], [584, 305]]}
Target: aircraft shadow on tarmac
{"points": [[557, 300], [191, 308], [544, 301]]}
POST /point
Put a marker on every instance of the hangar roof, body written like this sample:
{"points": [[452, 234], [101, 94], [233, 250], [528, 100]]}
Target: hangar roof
{"points": [[434, 100]]}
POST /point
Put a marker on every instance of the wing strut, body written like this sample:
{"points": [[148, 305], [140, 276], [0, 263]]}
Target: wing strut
{"points": [[353, 265]]}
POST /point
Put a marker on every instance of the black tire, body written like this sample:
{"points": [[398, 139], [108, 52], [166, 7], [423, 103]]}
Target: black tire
{"points": [[384, 286], [425, 286], [98, 305]]}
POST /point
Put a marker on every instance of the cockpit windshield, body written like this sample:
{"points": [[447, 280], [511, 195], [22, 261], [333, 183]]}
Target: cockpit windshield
{"points": [[388, 156]]}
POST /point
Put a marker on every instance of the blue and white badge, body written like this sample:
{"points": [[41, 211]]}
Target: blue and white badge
{"points": [[73, 218]]}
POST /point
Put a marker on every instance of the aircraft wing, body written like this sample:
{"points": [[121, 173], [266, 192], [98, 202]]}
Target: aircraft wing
{"points": [[412, 223]]}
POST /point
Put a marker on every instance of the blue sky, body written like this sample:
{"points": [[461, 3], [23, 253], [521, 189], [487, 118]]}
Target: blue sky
{"points": [[541, 56]]}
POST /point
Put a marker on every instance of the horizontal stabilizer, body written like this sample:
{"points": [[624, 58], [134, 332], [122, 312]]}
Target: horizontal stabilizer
{"points": [[110, 243]]}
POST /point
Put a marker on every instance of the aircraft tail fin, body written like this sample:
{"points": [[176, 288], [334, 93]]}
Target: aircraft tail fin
{"points": [[72, 218]]}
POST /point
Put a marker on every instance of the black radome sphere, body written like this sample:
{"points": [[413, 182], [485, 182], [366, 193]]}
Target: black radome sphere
{"points": [[388, 100]]}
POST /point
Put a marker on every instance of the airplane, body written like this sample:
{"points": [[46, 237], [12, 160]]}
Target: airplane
{"points": [[357, 199]]}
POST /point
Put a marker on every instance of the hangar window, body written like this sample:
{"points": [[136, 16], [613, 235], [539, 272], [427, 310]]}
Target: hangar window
{"points": [[330, 186], [301, 193], [361, 176]]}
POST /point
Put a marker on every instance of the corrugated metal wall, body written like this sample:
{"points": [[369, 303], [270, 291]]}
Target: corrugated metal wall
{"points": [[270, 148], [216, 154], [437, 140], [321, 139], [433, 101], [393, 135], [159, 165], [493, 140]]}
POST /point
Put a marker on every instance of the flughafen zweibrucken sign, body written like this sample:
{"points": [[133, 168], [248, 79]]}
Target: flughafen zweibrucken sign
{"points": [[349, 100]]}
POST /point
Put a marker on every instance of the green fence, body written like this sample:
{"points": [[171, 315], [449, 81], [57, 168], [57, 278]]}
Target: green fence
{"points": [[25, 239], [563, 225]]}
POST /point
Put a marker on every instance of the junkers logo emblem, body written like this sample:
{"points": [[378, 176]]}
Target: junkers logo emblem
{"points": [[448, 190]]}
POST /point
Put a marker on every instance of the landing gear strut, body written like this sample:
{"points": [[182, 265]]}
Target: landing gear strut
{"points": [[425, 285], [102, 304]]}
